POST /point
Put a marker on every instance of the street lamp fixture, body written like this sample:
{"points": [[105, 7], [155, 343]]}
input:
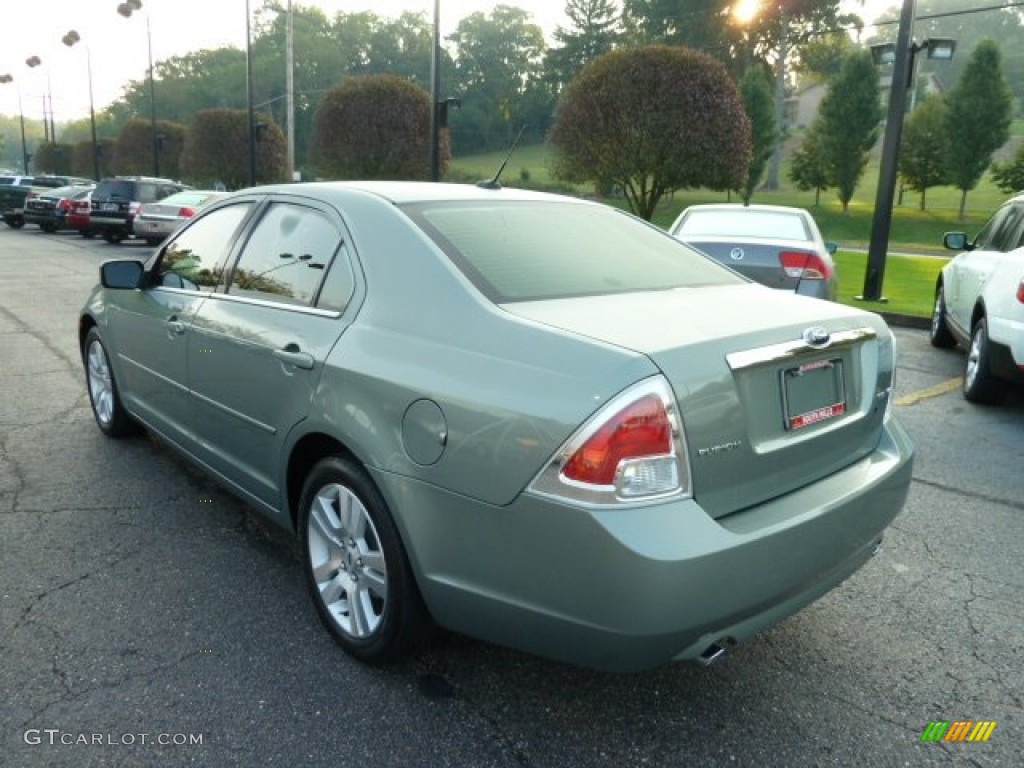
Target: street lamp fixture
{"points": [[901, 56], [8, 78], [69, 40], [126, 9]]}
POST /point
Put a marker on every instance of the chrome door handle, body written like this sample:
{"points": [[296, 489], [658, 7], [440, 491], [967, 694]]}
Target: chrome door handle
{"points": [[292, 355]]}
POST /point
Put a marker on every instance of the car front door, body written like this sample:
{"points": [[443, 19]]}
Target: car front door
{"points": [[151, 326], [258, 350], [998, 236]]}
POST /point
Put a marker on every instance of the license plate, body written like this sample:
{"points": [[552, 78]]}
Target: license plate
{"points": [[813, 392], [110, 206]]}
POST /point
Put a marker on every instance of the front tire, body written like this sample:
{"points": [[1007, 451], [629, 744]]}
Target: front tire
{"points": [[356, 569], [980, 386], [104, 397], [940, 336], [114, 238]]}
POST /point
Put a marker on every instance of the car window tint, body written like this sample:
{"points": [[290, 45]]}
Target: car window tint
{"points": [[339, 284], [196, 258], [285, 257], [740, 223], [523, 251]]}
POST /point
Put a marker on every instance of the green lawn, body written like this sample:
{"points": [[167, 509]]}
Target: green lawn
{"points": [[908, 285], [909, 282]]}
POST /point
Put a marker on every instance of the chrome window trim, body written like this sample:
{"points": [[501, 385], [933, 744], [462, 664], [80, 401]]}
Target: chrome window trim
{"points": [[303, 308], [789, 350]]}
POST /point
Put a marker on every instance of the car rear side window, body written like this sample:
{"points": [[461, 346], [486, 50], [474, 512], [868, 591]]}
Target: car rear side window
{"points": [[525, 251], [286, 255], [196, 258], [1001, 232]]}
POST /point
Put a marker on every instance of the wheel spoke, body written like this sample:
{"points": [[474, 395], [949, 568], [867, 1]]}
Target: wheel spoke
{"points": [[360, 611], [333, 590], [375, 582]]}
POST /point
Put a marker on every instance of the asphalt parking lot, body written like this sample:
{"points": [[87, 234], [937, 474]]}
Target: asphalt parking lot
{"points": [[147, 618]]}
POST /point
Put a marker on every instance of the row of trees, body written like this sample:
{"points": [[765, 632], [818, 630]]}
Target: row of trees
{"points": [[498, 63], [948, 140]]}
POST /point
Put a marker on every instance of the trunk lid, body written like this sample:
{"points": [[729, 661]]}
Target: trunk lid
{"points": [[768, 405]]}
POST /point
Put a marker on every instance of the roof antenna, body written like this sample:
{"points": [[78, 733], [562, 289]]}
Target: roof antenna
{"points": [[493, 183]]}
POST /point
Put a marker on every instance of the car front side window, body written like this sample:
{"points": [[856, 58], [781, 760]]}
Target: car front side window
{"points": [[286, 256], [196, 259]]}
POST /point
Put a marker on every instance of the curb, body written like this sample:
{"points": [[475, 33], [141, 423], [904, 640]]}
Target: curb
{"points": [[898, 320]]}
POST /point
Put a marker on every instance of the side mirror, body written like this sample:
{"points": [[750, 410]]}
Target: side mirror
{"points": [[955, 241], [831, 248], [121, 274]]}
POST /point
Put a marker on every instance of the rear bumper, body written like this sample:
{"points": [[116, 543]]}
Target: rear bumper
{"points": [[630, 589]]}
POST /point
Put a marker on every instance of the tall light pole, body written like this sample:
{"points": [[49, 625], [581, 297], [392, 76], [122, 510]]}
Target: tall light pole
{"points": [[32, 62], [250, 115], [435, 96], [69, 40], [21, 116], [126, 9], [289, 79], [902, 57]]}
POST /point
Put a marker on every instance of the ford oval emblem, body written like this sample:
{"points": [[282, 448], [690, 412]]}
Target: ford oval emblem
{"points": [[816, 336], [736, 254]]}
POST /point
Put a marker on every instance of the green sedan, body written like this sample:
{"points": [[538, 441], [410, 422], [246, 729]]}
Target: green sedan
{"points": [[532, 419]]}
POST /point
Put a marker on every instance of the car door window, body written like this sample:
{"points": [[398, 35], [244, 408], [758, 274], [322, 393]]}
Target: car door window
{"points": [[1001, 231], [196, 259], [286, 256]]}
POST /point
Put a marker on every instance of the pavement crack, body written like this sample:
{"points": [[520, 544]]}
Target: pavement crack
{"points": [[973, 495]]}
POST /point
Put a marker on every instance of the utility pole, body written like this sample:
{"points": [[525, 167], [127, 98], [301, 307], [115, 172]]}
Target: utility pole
{"points": [[289, 55]]}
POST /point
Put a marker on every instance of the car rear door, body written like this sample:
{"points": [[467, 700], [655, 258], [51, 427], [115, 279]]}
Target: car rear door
{"points": [[258, 350]]}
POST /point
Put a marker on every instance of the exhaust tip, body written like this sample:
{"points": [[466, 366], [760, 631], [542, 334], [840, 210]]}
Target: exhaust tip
{"points": [[712, 654]]}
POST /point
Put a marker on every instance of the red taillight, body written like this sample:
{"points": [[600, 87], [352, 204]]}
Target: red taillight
{"points": [[1020, 291], [186, 212], [64, 204], [804, 265], [640, 429]]}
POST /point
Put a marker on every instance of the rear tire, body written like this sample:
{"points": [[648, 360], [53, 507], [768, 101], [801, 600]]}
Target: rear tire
{"points": [[356, 568], [114, 238], [940, 336], [980, 386]]}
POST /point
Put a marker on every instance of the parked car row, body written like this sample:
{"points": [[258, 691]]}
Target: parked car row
{"points": [[117, 208]]}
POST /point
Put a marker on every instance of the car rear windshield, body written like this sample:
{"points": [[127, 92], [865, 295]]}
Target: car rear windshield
{"points": [[744, 223], [116, 189], [535, 250]]}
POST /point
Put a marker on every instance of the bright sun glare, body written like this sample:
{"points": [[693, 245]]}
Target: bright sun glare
{"points": [[744, 11]]}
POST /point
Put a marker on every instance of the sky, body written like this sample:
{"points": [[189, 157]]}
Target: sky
{"points": [[118, 51]]}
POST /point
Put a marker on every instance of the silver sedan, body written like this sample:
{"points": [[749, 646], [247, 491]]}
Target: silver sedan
{"points": [[155, 221]]}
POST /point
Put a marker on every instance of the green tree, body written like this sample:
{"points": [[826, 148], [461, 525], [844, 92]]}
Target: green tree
{"points": [[81, 158], [595, 28], [133, 151], [1009, 176], [850, 114], [977, 119], [53, 158], [925, 147], [759, 102], [652, 120], [821, 58], [808, 169], [374, 127], [499, 73], [217, 149]]}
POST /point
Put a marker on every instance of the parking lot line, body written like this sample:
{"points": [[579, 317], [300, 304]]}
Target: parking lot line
{"points": [[913, 398]]}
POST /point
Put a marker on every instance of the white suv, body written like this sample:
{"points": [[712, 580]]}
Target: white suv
{"points": [[979, 302]]}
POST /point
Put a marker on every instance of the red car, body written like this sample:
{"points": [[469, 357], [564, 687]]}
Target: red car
{"points": [[79, 218]]}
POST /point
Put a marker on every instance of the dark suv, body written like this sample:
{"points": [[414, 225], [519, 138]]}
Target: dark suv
{"points": [[115, 202]]}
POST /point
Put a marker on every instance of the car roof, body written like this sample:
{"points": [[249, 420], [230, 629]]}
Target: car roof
{"points": [[400, 192]]}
